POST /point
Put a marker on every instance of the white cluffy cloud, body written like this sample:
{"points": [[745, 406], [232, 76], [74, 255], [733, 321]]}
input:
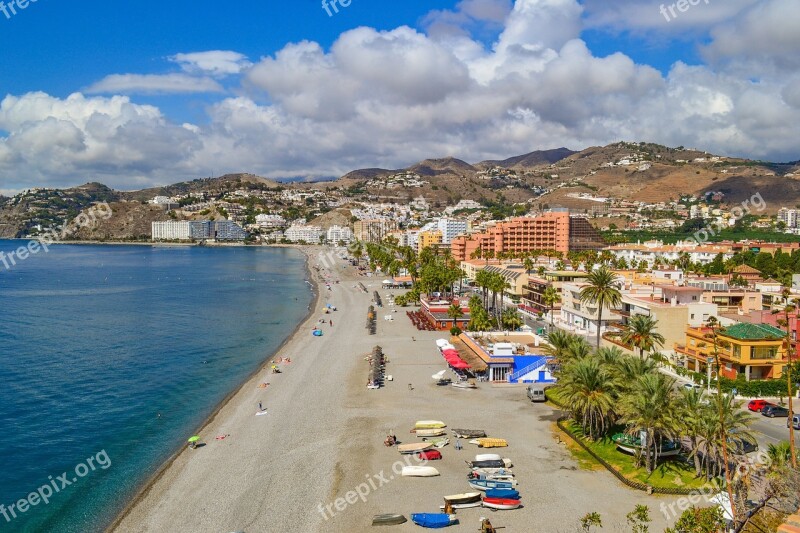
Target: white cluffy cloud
{"points": [[389, 98]]}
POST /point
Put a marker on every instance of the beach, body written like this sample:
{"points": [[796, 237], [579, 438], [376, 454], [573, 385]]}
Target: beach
{"points": [[316, 460]]}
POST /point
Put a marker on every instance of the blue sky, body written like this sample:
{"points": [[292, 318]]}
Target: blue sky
{"points": [[151, 93]]}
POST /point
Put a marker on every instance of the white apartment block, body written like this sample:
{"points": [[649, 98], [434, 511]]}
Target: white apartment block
{"points": [[172, 230], [338, 234], [451, 228], [270, 221], [309, 234], [788, 217]]}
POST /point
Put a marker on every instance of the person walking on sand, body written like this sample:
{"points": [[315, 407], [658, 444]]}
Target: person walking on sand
{"points": [[458, 444]]}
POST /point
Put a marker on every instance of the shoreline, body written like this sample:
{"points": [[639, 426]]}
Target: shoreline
{"points": [[148, 485]]}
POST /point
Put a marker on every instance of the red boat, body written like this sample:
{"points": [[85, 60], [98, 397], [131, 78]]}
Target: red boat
{"points": [[501, 503], [430, 455]]}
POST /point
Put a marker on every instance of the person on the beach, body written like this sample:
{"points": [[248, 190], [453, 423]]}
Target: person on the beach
{"points": [[259, 407], [458, 444]]}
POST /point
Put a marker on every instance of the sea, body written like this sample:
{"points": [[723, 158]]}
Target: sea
{"points": [[111, 357]]}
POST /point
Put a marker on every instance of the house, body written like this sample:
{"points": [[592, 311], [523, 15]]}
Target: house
{"points": [[508, 358], [755, 350]]}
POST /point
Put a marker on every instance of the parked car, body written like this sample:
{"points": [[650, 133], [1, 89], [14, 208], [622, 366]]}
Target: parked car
{"points": [[795, 421], [774, 410], [692, 386], [741, 445], [536, 393], [757, 405]]}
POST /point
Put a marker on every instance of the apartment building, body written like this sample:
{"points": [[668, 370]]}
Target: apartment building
{"points": [[451, 228], [171, 230], [337, 234], [549, 231], [583, 316], [428, 239], [225, 230], [373, 230], [298, 233], [533, 292]]}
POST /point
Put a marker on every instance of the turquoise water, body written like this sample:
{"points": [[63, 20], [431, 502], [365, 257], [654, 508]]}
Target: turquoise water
{"points": [[97, 341]]}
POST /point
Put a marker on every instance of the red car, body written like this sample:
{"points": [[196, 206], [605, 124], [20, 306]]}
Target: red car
{"points": [[757, 405], [430, 455]]}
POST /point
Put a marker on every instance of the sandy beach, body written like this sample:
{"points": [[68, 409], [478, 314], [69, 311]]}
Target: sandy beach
{"points": [[315, 462]]}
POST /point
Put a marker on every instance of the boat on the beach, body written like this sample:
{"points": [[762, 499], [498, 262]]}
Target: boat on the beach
{"points": [[419, 471], [469, 433], [462, 505], [490, 443], [429, 424], [508, 494], [438, 442], [414, 447], [433, 520], [504, 463], [630, 444], [488, 457], [492, 472], [429, 432], [464, 385], [486, 484], [501, 503], [467, 497], [388, 519], [430, 455], [493, 476]]}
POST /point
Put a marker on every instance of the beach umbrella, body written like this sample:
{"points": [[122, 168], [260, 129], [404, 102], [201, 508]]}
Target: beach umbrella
{"points": [[194, 439]]}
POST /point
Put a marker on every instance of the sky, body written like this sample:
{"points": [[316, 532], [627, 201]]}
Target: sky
{"points": [[141, 94]]}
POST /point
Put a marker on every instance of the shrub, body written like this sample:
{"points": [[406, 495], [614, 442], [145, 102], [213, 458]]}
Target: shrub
{"points": [[455, 331]]}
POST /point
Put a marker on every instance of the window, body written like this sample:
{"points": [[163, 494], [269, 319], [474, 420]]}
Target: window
{"points": [[692, 316]]}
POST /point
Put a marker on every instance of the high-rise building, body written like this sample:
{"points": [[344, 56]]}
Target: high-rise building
{"points": [[225, 230], [451, 228], [788, 217], [338, 234], [373, 230], [309, 234], [171, 230], [549, 231]]}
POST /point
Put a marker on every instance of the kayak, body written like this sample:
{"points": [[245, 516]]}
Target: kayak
{"points": [[388, 519]]}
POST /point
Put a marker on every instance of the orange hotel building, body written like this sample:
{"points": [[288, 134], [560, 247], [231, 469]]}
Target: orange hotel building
{"points": [[549, 231]]}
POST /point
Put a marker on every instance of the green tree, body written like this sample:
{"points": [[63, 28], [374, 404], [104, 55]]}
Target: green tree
{"points": [[642, 333], [602, 290], [588, 390], [699, 520], [550, 298]]}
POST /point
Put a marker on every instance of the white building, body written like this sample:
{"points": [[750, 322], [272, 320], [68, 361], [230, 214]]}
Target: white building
{"points": [[338, 234], [171, 230], [451, 228], [270, 221], [309, 234], [788, 217]]}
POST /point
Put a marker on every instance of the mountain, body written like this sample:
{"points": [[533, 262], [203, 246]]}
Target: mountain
{"points": [[533, 159], [437, 167]]}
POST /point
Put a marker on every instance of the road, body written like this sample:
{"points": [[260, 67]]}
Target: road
{"points": [[771, 430]]}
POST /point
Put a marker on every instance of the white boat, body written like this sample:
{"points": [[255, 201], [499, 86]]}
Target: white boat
{"points": [[419, 471], [505, 476], [493, 472], [463, 505], [429, 424], [488, 457], [464, 385], [442, 342], [414, 447], [429, 432], [467, 497], [439, 375], [501, 503]]}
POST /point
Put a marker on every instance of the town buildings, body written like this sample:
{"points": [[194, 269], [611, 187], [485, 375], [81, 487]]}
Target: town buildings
{"points": [[186, 230], [303, 233], [373, 230]]}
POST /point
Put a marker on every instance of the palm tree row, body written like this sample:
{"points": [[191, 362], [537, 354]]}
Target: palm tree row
{"points": [[604, 388]]}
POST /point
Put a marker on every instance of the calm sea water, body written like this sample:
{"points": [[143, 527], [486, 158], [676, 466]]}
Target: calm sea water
{"points": [[96, 341]]}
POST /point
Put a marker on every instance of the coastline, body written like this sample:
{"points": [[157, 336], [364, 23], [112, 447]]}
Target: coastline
{"points": [[181, 450]]}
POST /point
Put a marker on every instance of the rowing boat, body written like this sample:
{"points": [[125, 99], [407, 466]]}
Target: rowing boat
{"points": [[490, 443], [429, 432], [485, 484], [438, 442], [429, 424], [467, 497], [419, 471], [501, 503], [469, 433], [463, 505], [505, 463], [414, 447], [492, 476], [433, 520], [508, 494], [488, 457], [388, 519]]}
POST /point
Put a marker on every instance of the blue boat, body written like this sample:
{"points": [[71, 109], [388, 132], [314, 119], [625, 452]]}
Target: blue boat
{"points": [[434, 520], [503, 494], [486, 484]]}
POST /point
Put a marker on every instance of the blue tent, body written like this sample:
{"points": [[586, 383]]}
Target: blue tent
{"points": [[432, 520]]}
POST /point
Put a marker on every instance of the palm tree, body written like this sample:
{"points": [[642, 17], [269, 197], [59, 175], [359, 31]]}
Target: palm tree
{"points": [[790, 307], [692, 408], [650, 407], [557, 343], [511, 320], [587, 388], [528, 264], [455, 312], [603, 291], [550, 298], [641, 333]]}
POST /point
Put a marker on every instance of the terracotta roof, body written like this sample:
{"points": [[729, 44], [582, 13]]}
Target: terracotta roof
{"points": [[746, 269]]}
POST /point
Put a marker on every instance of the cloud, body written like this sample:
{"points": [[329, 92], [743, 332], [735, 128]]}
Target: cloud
{"points": [[217, 63], [390, 98], [646, 17], [154, 84]]}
